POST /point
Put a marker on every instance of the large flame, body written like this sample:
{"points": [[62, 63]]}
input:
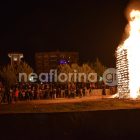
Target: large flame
{"points": [[132, 44]]}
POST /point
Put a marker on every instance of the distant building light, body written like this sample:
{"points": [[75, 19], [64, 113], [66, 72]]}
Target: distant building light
{"points": [[21, 56], [15, 59], [62, 61]]}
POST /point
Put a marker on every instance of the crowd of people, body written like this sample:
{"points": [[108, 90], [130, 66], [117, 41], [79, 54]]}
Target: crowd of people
{"points": [[30, 91]]}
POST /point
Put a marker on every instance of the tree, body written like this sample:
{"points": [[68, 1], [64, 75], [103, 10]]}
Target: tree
{"points": [[99, 67], [64, 68], [10, 73], [76, 69], [23, 68], [85, 68]]}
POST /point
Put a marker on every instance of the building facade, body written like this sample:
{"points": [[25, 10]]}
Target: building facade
{"points": [[45, 61]]}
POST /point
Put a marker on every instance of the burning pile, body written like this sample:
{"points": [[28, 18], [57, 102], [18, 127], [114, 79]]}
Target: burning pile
{"points": [[128, 59]]}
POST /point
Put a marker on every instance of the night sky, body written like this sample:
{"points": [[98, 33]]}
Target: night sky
{"points": [[93, 28]]}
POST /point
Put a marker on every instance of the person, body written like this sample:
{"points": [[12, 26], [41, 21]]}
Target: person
{"points": [[30, 94], [0, 94], [4, 94], [84, 91], [80, 92], [23, 94], [103, 90], [10, 94], [54, 93], [16, 94]]}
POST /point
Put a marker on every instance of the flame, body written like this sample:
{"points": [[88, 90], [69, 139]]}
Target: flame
{"points": [[132, 44]]}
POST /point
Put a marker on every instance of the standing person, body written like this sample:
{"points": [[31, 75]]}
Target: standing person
{"points": [[80, 92], [69, 90], [66, 91], [10, 95], [37, 92], [23, 94], [74, 90], [16, 94], [20, 94], [87, 91], [30, 94], [0, 97], [103, 90], [5, 94], [1, 91], [84, 91], [59, 91], [54, 93], [51, 93], [92, 87], [33, 93]]}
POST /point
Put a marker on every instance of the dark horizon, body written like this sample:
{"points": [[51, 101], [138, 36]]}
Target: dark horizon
{"points": [[94, 29]]}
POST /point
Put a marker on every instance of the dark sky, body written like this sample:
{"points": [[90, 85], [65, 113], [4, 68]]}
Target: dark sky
{"points": [[94, 28]]}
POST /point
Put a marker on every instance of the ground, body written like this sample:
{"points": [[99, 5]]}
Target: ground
{"points": [[85, 125], [69, 105], [87, 118]]}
